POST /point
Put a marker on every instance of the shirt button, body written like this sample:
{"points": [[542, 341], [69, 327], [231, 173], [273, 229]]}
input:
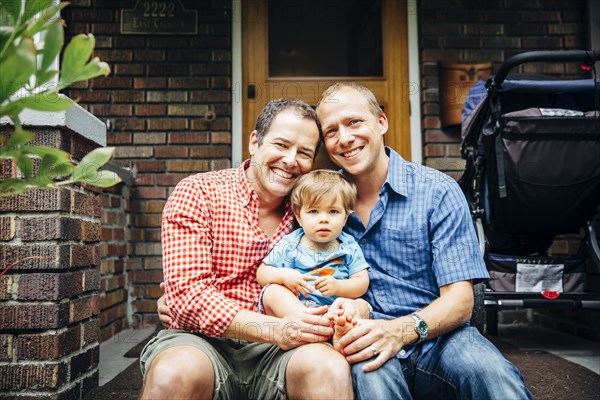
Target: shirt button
{"points": [[363, 241], [402, 352]]}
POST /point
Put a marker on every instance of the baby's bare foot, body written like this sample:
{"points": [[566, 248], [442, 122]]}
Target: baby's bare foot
{"points": [[343, 324]]}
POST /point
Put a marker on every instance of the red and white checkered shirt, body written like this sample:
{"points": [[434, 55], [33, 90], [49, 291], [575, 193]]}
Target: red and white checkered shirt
{"points": [[212, 246]]}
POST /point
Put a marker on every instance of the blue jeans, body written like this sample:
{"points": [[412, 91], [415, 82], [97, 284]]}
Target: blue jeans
{"points": [[461, 365]]}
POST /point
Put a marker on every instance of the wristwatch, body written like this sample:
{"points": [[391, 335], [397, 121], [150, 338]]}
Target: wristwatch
{"points": [[420, 327]]}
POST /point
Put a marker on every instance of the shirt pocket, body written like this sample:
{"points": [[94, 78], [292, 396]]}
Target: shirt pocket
{"points": [[406, 253]]}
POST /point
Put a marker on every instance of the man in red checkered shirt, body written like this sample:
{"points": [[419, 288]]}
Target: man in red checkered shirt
{"points": [[217, 228]]}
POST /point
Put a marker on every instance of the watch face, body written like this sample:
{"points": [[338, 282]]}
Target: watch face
{"points": [[422, 327]]}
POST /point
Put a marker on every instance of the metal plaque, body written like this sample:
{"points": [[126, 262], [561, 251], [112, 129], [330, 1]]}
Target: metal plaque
{"points": [[167, 17]]}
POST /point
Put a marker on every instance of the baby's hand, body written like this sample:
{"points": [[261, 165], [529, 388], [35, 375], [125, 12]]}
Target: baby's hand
{"points": [[296, 282], [327, 285]]}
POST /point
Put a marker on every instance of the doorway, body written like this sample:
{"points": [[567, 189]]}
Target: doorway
{"points": [[294, 49]]}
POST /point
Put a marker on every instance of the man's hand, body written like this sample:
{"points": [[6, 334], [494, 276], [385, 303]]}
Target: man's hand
{"points": [[164, 312], [299, 327], [310, 325], [296, 282], [378, 339]]}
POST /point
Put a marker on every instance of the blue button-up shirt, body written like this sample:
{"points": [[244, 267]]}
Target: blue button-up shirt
{"points": [[420, 236]]}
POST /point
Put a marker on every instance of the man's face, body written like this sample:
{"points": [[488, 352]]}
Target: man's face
{"points": [[353, 135], [287, 152]]}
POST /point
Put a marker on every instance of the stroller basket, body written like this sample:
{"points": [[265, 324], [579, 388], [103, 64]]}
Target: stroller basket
{"points": [[547, 176], [536, 274], [532, 147]]}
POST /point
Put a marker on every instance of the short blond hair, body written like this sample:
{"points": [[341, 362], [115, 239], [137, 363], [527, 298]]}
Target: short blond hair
{"points": [[320, 186], [364, 92]]}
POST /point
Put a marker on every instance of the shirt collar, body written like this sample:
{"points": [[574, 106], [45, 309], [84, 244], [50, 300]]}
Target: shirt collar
{"points": [[397, 167], [243, 187], [246, 192]]}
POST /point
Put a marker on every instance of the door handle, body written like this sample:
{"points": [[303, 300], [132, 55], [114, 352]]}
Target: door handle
{"points": [[251, 92]]}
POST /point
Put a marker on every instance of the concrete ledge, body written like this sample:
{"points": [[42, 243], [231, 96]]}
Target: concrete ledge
{"points": [[75, 118]]}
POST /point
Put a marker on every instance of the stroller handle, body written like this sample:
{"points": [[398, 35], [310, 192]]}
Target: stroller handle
{"points": [[552, 56]]}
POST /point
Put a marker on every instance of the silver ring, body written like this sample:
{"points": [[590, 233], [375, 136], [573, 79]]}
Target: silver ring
{"points": [[373, 350]]}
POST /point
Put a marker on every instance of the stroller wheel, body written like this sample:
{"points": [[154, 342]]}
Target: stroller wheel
{"points": [[478, 316]]}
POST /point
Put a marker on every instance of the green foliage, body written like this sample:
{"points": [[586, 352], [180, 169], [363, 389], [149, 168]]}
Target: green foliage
{"points": [[26, 83]]}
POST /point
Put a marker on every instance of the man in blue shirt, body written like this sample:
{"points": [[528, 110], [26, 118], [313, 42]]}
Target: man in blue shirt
{"points": [[414, 227]]}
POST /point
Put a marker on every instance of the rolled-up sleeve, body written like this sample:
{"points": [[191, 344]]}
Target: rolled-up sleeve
{"points": [[456, 254]]}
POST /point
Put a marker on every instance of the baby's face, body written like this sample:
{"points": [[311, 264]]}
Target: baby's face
{"points": [[323, 223]]}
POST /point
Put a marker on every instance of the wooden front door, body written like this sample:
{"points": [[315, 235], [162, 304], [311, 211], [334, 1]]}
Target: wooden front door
{"points": [[296, 49]]}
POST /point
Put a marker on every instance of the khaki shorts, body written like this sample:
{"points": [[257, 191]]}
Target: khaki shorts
{"points": [[243, 370]]}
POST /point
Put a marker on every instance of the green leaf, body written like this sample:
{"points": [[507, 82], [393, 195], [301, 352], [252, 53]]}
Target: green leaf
{"points": [[19, 137], [5, 34], [97, 158], [12, 9], [19, 61], [53, 42], [42, 179], [42, 77], [76, 55], [43, 19], [6, 19], [82, 172], [103, 179], [25, 164], [9, 109], [7, 153], [59, 170], [88, 173], [61, 157], [48, 160], [18, 64], [34, 7], [52, 167], [12, 186], [45, 101], [91, 70]]}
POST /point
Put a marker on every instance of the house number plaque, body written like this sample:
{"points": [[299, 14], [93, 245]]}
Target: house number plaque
{"points": [[167, 17]]}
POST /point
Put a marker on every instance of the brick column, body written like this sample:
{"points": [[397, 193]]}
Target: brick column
{"points": [[49, 299]]}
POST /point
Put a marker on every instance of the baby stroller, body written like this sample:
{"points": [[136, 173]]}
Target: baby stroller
{"points": [[532, 146]]}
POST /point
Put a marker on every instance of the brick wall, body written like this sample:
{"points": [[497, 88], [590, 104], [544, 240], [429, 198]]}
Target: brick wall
{"points": [[49, 299], [472, 32], [114, 252], [155, 101]]}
